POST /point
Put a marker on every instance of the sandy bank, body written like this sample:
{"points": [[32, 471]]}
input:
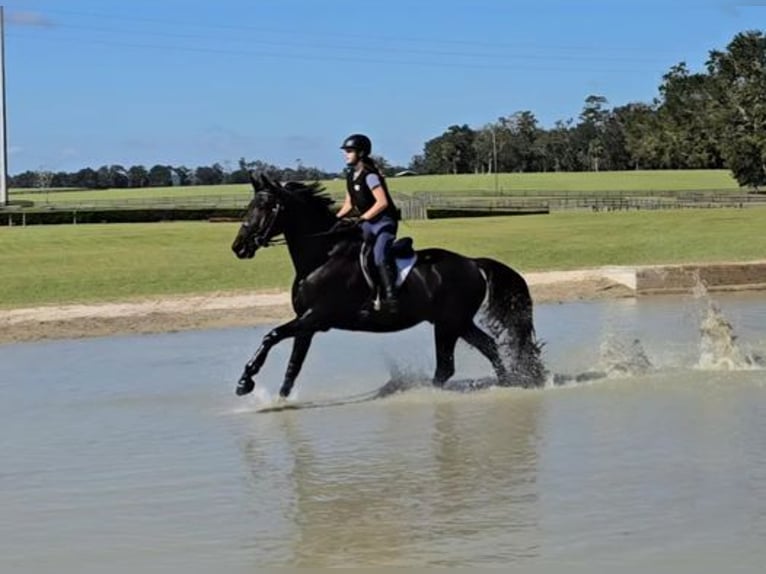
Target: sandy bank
{"points": [[176, 313]]}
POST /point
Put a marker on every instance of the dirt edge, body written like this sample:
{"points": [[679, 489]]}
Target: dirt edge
{"points": [[219, 310]]}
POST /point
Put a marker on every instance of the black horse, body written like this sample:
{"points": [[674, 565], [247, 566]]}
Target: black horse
{"points": [[330, 291]]}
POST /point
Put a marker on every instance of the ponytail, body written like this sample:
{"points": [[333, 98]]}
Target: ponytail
{"points": [[370, 164]]}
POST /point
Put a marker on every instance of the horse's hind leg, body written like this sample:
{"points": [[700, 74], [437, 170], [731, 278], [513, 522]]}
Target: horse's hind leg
{"points": [[487, 346], [301, 345], [446, 339]]}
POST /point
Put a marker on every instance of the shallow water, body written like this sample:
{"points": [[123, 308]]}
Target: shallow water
{"points": [[131, 453]]}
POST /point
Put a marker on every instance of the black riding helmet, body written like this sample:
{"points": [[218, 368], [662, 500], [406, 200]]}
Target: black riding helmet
{"points": [[360, 143]]}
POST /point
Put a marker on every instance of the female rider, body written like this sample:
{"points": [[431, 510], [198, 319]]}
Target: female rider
{"points": [[367, 194]]}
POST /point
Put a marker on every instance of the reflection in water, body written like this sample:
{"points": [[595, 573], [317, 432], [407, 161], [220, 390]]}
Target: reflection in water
{"points": [[429, 482], [486, 487], [663, 464]]}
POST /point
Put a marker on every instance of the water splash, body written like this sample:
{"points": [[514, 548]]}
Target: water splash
{"points": [[402, 379], [618, 358], [621, 358], [259, 399], [719, 350]]}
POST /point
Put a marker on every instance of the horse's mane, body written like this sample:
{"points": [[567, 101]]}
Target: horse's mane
{"points": [[312, 194], [316, 198]]}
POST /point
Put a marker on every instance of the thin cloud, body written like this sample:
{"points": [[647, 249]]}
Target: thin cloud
{"points": [[32, 19], [301, 142], [733, 8], [15, 150], [69, 152]]}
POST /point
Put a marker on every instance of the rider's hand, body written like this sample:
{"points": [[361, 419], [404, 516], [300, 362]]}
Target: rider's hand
{"points": [[346, 224]]}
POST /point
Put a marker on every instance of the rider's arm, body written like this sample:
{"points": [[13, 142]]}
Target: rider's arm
{"points": [[381, 203], [346, 209]]}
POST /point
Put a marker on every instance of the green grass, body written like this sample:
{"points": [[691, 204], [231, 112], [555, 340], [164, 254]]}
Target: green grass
{"points": [[197, 191], [87, 263], [508, 183]]}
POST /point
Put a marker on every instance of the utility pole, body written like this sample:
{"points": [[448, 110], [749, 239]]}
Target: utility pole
{"points": [[494, 156], [4, 134]]}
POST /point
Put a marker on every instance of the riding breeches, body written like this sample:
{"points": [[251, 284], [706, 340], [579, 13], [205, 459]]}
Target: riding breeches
{"points": [[380, 234]]}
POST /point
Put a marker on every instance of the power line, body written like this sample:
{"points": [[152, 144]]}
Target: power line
{"points": [[405, 51], [345, 34], [281, 55]]}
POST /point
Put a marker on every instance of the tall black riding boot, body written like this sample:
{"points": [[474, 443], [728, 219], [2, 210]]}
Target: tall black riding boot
{"points": [[387, 273]]}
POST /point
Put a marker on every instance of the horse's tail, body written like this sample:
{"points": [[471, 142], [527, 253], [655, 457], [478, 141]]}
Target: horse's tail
{"points": [[509, 319]]}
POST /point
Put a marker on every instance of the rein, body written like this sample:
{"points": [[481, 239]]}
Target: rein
{"points": [[262, 239], [263, 243], [282, 241]]}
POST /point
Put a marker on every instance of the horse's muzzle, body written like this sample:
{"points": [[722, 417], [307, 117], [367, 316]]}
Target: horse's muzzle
{"points": [[244, 249]]}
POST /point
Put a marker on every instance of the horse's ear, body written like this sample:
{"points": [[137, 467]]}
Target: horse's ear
{"points": [[270, 183], [257, 184]]}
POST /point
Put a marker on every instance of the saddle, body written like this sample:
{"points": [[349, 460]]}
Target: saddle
{"points": [[404, 255]]}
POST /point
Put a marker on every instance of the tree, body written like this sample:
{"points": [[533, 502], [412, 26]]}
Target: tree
{"points": [[519, 144], [484, 149], [689, 135], [119, 176], [44, 178], [209, 175], [86, 178], [418, 164], [639, 125], [138, 176], [451, 152], [593, 118], [185, 175], [103, 178], [62, 179], [385, 166], [738, 78], [160, 176], [559, 151]]}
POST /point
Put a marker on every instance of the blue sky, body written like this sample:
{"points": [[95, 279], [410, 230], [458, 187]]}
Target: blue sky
{"points": [[194, 82]]}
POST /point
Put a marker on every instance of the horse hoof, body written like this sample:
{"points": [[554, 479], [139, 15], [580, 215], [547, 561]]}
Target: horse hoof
{"points": [[245, 386]]}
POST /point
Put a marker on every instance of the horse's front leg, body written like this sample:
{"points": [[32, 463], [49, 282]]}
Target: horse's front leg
{"points": [[301, 345], [246, 383]]}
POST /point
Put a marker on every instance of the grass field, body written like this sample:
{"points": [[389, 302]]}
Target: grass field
{"points": [[87, 263], [508, 184]]}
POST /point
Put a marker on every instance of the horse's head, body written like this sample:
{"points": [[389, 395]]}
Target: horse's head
{"points": [[263, 220]]}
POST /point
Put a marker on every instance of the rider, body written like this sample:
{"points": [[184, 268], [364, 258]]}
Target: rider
{"points": [[367, 194]]}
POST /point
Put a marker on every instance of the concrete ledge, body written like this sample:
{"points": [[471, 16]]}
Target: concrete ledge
{"points": [[714, 276], [658, 279]]}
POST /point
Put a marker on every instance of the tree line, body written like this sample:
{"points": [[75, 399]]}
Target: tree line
{"points": [[118, 176], [705, 120]]}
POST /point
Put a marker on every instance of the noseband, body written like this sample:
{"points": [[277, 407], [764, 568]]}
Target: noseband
{"points": [[262, 239]]}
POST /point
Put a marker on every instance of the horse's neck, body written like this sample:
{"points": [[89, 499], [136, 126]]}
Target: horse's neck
{"points": [[308, 248]]}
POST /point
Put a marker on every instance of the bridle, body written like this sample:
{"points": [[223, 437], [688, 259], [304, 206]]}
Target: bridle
{"points": [[262, 239]]}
